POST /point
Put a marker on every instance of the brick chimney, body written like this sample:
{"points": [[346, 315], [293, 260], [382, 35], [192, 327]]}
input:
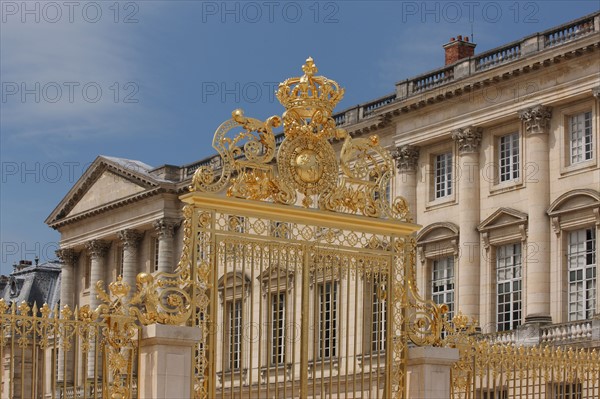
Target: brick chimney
{"points": [[458, 48]]}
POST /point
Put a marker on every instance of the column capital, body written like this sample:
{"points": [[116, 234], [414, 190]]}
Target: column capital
{"points": [[536, 119], [67, 255], [97, 248], [165, 227], [130, 238], [468, 139], [407, 157], [596, 92]]}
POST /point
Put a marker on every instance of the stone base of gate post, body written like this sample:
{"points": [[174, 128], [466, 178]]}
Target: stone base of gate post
{"points": [[166, 356], [429, 372]]}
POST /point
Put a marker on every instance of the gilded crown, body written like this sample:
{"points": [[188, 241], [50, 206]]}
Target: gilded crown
{"points": [[309, 93]]}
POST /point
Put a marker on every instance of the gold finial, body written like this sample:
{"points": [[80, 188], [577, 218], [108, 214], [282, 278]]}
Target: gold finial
{"points": [[310, 95], [309, 68]]}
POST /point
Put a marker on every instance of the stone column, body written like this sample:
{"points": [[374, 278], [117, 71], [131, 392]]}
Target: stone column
{"points": [[97, 250], [536, 255], [467, 271], [407, 159], [69, 257], [131, 240], [166, 229]]}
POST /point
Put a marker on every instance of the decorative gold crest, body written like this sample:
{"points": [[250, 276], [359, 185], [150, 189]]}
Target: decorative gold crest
{"points": [[357, 181]]}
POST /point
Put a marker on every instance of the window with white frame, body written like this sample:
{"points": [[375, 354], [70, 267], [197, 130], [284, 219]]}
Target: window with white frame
{"points": [[508, 157], [233, 310], [580, 137], [443, 175], [278, 337], [565, 390], [442, 283], [581, 260], [378, 313], [509, 286], [327, 314]]}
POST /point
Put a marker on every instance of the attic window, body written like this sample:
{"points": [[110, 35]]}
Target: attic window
{"points": [[14, 289]]}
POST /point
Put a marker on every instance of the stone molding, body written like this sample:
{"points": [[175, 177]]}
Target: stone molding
{"points": [[97, 248], [67, 255], [407, 158], [596, 92], [130, 238], [165, 227], [468, 139], [536, 119]]}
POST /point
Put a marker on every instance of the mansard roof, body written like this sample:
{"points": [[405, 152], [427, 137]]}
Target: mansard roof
{"points": [[133, 180], [33, 284]]}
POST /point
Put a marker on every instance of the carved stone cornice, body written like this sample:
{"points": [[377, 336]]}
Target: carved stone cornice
{"points": [[97, 248], [130, 238], [468, 139], [536, 119], [407, 158], [596, 92], [165, 227], [67, 255]]}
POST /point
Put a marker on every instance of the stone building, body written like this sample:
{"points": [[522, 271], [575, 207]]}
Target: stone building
{"points": [[497, 155]]}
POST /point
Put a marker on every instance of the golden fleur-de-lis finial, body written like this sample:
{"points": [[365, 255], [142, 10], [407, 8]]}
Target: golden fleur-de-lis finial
{"points": [[309, 68]]}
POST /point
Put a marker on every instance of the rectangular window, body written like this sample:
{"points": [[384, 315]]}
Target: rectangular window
{"points": [[120, 259], [565, 390], [88, 272], [580, 137], [155, 254], [442, 283], [581, 259], [491, 393], [278, 328], [234, 329], [509, 286], [443, 175], [508, 157], [379, 314], [327, 339]]}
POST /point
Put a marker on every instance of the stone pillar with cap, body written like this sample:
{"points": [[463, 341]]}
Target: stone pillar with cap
{"points": [[166, 230], [467, 271], [536, 255]]}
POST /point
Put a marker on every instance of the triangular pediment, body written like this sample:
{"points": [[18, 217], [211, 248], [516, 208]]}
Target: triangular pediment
{"points": [[503, 217], [108, 187], [108, 181]]}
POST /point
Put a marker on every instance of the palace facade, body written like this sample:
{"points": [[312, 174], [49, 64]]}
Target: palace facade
{"points": [[498, 157]]}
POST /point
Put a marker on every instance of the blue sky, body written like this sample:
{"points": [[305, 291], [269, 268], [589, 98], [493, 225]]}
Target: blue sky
{"points": [[151, 80]]}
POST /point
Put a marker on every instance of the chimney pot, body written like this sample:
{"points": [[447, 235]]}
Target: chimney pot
{"points": [[459, 37]]}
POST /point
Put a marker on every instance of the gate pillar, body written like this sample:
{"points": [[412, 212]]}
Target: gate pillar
{"points": [[429, 372], [166, 361]]}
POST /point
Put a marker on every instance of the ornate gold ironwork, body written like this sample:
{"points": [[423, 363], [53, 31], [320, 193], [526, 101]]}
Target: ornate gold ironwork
{"points": [[486, 370], [357, 183]]}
